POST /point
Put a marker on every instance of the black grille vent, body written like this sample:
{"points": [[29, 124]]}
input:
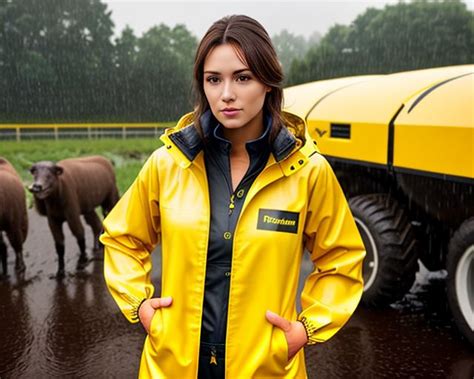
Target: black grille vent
{"points": [[341, 131]]}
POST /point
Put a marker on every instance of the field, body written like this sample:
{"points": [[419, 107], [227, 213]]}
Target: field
{"points": [[128, 155]]}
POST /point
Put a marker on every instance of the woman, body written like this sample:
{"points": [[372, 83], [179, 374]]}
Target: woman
{"points": [[234, 196]]}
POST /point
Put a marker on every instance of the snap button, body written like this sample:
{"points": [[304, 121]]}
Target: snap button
{"points": [[292, 168], [227, 235], [227, 273], [300, 161], [240, 194]]}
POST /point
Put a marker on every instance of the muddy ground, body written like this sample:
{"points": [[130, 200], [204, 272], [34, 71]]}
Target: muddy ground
{"points": [[72, 328]]}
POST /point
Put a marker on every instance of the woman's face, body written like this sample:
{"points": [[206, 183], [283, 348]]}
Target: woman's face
{"points": [[234, 94]]}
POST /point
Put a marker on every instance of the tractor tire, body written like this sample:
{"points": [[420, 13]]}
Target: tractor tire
{"points": [[460, 281], [392, 250]]}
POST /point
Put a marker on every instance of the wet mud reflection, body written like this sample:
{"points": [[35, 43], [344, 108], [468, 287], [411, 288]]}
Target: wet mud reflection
{"points": [[414, 338], [72, 328], [15, 325], [76, 326]]}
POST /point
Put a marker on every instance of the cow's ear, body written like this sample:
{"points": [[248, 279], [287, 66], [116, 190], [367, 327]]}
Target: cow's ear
{"points": [[58, 170]]}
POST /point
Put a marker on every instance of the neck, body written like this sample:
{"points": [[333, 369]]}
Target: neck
{"points": [[54, 197], [239, 137]]}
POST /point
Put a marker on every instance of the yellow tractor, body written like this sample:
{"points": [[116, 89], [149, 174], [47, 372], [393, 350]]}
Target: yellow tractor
{"points": [[401, 146]]}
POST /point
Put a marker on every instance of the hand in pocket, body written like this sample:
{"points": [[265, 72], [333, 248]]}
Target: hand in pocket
{"points": [[295, 332], [149, 307]]}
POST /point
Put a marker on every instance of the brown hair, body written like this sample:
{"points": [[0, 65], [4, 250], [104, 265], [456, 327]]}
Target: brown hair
{"points": [[253, 42]]}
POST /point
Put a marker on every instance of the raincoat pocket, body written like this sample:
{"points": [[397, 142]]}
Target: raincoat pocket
{"points": [[156, 324], [281, 347]]}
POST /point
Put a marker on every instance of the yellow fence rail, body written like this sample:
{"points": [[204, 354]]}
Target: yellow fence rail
{"points": [[20, 132]]}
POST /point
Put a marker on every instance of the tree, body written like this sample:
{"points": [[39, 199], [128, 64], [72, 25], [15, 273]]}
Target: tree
{"points": [[163, 72], [405, 36], [58, 63], [56, 55], [289, 47], [417, 35], [124, 60]]}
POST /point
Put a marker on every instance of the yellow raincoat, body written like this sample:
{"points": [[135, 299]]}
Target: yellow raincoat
{"points": [[168, 203]]}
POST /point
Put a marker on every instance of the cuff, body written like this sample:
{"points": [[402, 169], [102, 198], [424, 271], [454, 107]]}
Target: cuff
{"points": [[310, 330], [135, 304], [136, 315]]}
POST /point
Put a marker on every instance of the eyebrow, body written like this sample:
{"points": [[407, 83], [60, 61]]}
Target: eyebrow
{"points": [[235, 72]]}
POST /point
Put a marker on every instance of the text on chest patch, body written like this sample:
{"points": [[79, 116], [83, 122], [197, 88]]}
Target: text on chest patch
{"points": [[278, 220]]}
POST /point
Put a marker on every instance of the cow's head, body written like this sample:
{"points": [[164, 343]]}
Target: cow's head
{"points": [[45, 175]]}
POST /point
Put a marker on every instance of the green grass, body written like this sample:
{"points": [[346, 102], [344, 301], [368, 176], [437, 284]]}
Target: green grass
{"points": [[128, 155]]}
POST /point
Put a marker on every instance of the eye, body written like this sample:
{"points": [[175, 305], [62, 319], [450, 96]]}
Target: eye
{"points": [[212, 79], [243, 78]]}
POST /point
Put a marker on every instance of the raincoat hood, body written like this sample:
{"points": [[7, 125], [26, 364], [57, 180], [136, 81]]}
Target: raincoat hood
{"points": [[190, 141]]}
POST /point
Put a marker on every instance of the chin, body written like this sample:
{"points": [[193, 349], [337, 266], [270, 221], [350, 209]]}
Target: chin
{"points": [[42, 195], [232, 124]]}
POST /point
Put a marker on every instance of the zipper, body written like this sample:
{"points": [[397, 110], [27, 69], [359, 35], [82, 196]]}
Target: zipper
{"points": [[222, 325], [231, 204], [233, 255], [213, 360], [244, 205]]}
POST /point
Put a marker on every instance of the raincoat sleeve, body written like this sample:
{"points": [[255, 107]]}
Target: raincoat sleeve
{"points": [[131, 231], [333, 290]]}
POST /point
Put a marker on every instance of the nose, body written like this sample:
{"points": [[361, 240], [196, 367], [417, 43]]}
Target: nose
{"points": [[35, 188], [228, 93]]}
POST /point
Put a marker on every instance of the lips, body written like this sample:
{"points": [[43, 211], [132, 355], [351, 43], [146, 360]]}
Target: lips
{"points": [[40, 193], [230, 112]]}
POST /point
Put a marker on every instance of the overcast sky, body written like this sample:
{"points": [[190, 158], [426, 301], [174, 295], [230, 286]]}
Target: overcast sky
{"points": [[298, 17]]}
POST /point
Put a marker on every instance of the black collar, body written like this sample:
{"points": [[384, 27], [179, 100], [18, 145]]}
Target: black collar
{"points": [[190, 142], [254, 147]]}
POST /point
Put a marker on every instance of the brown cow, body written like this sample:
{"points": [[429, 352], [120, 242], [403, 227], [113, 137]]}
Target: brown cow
{"points": [[13, 217], [65, 190]]}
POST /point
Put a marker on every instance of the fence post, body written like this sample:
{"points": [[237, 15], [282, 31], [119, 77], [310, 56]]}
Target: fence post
{"points": [[18, 137]]}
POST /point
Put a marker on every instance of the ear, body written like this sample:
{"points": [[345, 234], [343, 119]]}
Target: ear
{"points": [[58, 170], [268, 89]]}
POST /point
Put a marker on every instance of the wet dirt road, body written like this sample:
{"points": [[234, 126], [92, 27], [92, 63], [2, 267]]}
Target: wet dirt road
{"points": [[72, 328]]}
